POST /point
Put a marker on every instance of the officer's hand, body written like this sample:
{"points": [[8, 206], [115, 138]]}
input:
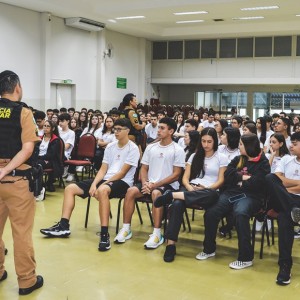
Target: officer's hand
{"points": [[3, 172]]}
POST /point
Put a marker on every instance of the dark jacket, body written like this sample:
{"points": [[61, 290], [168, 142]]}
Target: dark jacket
{"points": [[53, 155], [254, 186]]}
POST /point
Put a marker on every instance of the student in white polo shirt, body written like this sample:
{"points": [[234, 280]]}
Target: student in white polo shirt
{"points": [[115, 176], [161, 167]]}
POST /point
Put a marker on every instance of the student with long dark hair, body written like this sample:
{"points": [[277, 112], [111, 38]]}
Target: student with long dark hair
{"points": [[242, 194], [203, 176], [50, 154], [230, 143], [261, 126], [191, 140]]}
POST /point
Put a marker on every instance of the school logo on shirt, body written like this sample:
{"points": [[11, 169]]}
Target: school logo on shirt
{"points": [[161, 155], [118, 157], [296, 173]]}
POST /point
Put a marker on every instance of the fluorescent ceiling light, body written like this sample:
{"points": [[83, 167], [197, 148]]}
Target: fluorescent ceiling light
{"points": [[192, 21], [248, 18], [190, 13], [112, 21], [260, 7], [297, 15], [130, 17]]}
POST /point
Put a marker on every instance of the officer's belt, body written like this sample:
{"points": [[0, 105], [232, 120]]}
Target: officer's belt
{"points": [[17, 172]]}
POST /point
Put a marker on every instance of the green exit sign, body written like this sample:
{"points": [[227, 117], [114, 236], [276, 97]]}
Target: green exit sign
{"points": [[121, 83]]}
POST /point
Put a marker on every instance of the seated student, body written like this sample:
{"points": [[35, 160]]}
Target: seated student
{"points": [[94, 126], [204, 174], [284, 191], [66, 134], [151, 129], [242, 193], [230, 143], [113, 179], [161, 166], [189, 124], [105, 137], [191, 140], [50, 154], [39, 117]]}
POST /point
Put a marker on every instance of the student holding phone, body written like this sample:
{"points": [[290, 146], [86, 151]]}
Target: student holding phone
{"points": [[242, 193]]}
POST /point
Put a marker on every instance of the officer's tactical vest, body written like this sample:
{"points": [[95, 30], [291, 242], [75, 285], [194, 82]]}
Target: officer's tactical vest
{"points": [[10, 128], [132, 131]]}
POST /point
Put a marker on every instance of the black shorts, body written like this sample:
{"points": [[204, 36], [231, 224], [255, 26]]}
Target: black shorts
{"points": [[162, 189], [118, 188]]}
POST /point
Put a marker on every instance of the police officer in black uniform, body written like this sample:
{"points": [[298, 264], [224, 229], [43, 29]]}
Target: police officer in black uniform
{"points": [[18, 136]]}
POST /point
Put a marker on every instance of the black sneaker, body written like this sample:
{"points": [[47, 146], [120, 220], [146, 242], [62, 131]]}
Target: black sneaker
{"points": [[170, 253], [50, 187], [295, 214], [57, 231], [104, 244], [284, 275]]}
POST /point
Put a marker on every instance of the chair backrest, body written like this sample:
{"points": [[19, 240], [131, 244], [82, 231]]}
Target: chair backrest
{"points": [[87, 146], [62, 150]]}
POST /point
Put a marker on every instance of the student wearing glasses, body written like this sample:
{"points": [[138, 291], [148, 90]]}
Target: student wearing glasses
{"points": [[113, 179]]}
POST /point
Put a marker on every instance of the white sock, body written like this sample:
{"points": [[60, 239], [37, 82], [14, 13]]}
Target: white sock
{"points": [[126, 227], [157, 232]]}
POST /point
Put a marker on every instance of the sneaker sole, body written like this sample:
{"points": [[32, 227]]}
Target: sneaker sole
{"points": [[156, 246], [56, 234], [283, 282], [104, 249], [207, 257], [128, 237], [239, 268]]}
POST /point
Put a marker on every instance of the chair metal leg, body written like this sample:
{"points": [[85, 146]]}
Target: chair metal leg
{"points": [[139, 212], [193, 215], [87, 211], [150, 214], [118, 216], [187, 220], [253, 233]]}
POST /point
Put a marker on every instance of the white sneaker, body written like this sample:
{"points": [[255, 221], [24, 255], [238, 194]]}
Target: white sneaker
{"points": [[41, 196], [258, 225], [122, 236], [70, 178], [79, 169], [154, 241], [203, 255], [238, 265], [65, 172]]}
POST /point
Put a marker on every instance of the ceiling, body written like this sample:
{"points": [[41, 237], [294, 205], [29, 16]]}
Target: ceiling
{"points": [[160, 22]]}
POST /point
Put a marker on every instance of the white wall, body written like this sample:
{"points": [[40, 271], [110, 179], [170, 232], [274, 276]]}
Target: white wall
{"points": [[20, 49], [42, 50]]}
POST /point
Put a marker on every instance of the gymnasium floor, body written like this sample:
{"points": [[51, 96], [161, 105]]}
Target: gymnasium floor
{"points": [[73, 269]]}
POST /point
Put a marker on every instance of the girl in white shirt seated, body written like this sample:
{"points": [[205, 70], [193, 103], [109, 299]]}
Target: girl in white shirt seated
{"points": [[230, 143], [105, 137], [203, 176], [93, 126]]}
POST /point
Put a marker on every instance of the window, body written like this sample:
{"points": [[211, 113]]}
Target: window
{"points": [[282, 46], [191, 49], [245, 47], [263, 47], [159, 50], [209, 49], [227, 48], [175, 50]]}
